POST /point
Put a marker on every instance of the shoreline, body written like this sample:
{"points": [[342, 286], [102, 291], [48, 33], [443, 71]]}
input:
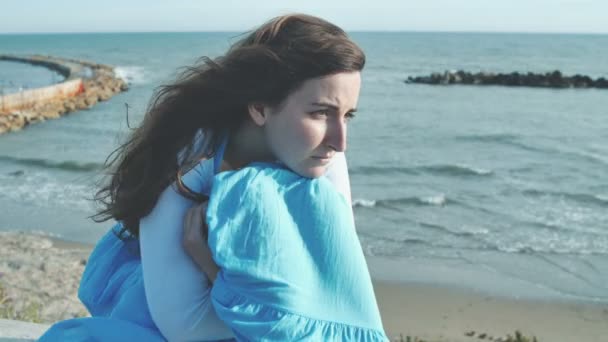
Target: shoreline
{"points": [[463, 276], [47, 269]]}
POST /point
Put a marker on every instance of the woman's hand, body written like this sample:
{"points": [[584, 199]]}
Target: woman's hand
{"points": [[195, 240]]}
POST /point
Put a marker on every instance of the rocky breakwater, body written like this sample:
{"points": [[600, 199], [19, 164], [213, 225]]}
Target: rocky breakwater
{"points": [[553, 79], [85, 84]]}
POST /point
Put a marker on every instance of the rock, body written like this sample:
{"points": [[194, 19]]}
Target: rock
{"points": [[14, 265], [17, 123], [601, 83], [50, 114], [90, 101], [554, 79], [104, 95], [69, 106]]}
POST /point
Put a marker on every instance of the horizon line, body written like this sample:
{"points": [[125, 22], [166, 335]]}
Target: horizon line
{"points": [[348, 31]]}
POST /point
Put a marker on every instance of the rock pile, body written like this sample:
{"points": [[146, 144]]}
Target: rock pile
{"points": [[553, 79]]}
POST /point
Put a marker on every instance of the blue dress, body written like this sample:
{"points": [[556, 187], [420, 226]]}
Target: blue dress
{"points": [[112, 289], [291, 266]]}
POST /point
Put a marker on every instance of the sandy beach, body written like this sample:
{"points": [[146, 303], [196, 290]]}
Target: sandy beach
{"points": [[39, 280], [39, 277], [438, 314]]}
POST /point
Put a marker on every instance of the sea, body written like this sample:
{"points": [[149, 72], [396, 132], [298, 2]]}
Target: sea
{"points": [[502, 190]]}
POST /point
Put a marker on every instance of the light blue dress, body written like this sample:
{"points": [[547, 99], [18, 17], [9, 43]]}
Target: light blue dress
{"points": [[112, 290], [292, 268]]}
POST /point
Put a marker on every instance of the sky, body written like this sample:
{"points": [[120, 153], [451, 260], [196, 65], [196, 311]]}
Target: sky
{"points": [[49, 16]]}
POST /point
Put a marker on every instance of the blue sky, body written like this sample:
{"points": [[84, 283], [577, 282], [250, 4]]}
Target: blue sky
{"points": [[575, 16]]}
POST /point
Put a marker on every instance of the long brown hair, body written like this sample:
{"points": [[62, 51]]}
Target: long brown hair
{"points": [[212, 97]]}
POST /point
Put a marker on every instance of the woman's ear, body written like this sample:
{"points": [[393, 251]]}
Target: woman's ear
{"points": [[257, 112]]}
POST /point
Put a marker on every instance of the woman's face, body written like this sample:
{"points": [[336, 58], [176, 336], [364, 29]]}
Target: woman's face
{"points": [[309, 126]]}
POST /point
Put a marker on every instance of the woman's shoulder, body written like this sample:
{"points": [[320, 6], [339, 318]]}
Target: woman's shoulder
{"points": [[199, 177]]}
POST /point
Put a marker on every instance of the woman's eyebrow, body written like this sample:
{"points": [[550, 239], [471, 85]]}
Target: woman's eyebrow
{"points": [[332, 106]]}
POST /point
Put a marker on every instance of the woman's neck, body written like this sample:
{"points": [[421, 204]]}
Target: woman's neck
{"points": [[245, 146]]}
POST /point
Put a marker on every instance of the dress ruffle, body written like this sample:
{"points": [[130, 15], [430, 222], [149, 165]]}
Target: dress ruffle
{"points": [[266, 323]]}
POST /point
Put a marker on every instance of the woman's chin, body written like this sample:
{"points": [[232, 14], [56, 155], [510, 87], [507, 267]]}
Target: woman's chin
{"points": [[311, 172]]}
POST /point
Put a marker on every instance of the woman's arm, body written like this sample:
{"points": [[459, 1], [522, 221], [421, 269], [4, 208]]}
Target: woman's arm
{"points": [[176, 290], [195, 229]]}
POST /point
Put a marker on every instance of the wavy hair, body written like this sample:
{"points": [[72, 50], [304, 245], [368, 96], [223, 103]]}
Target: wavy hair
{"points": [[212, 97]]}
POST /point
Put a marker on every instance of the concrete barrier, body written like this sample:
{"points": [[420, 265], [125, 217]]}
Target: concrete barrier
{"points": [[18, 331], [32, 97]]}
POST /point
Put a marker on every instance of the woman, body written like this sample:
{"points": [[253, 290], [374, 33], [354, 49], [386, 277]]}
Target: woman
{"points": [[284, 92]]}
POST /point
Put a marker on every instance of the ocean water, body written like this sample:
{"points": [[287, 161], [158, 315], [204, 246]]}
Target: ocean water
{"points": [[503, 190]]}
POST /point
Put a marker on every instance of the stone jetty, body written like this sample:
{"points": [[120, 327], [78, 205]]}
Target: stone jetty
{"points": [[85, 84], [554, 79]]}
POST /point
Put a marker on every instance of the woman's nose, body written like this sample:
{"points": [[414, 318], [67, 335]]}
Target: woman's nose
{"points": [[336, 136]]}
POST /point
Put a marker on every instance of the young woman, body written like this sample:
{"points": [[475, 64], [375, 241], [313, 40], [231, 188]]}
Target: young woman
{"points": [[282, 94]]}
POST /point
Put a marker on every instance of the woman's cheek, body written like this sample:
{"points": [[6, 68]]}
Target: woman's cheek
{"points": [[311, 132]]}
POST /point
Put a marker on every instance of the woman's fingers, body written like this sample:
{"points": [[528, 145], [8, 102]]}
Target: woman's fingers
{"points": [[195, 240], [201, 214], [190, 236], [195, 228]]}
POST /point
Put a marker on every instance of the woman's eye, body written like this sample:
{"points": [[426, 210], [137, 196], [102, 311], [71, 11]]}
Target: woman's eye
{"points": [[350, 115], [320, 113]]}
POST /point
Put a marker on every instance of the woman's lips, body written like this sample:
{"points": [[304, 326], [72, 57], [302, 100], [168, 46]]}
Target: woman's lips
{"points": [[323, 158]]}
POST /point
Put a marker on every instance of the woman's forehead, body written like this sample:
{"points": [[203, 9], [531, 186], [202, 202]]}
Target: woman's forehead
{"points": [[339, 90]]}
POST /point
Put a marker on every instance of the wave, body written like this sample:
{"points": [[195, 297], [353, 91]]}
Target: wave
{"points": [[381, 170], [361, 202], [457, 170], [601, 200], [68, 165], [503, 139], [459, 233], [44, 191], [131, 74], [515, 141], [412, 241], [519, 248], [436, 200], [395, 246], [498, 137]]}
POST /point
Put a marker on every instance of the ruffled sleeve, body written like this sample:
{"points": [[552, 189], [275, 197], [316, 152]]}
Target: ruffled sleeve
{"points": [[291, 264]]}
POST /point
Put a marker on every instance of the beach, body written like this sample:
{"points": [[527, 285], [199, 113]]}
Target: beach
{"points": [[39, 278], [440, 314]]}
